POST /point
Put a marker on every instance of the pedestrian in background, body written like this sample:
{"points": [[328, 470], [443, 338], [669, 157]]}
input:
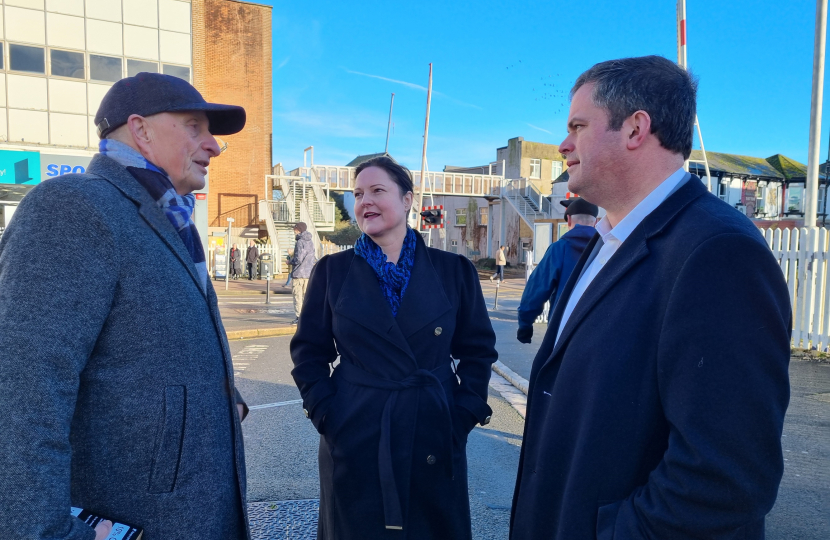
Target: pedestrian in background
{"points": [[548, 279], [236, 262], [302, 262], [395, 415], [657, 399], [251, 257], [116, 382], [501, 260]]}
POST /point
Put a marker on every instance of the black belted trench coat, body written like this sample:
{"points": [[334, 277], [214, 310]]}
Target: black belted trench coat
{"points": [[393, 416]]}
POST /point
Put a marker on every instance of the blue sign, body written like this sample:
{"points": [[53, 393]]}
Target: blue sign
{"points": [[19, 167]]}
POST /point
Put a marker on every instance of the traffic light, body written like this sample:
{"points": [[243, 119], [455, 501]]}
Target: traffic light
{"points": [[433, 217]]}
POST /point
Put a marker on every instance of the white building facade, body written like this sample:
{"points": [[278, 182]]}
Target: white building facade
{"points": [[58, 60]]}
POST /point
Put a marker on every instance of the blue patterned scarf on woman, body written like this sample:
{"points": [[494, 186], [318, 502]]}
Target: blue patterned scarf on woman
{"points": [[393, 278], [177, 208]]}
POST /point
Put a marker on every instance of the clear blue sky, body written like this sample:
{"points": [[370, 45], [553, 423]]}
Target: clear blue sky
{"points": [[503, 69]]}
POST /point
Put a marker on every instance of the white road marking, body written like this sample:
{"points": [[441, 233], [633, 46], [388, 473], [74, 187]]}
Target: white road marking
{"points": [[249, 353], [278, 404]]}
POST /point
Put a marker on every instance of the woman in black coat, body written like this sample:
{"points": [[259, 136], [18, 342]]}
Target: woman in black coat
{"points": [[395, 414]]}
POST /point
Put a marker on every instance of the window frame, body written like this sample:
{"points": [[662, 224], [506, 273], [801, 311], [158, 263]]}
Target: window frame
{"points": [[143, 62], [483, 216], [68, 77], [89, 61], [43, 50], [535, 165], [188, 68], [461, 213], [553, 166]]}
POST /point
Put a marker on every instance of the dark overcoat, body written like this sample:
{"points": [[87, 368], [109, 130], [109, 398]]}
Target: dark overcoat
{"points": [[116, 379], [393, 416], [658, 414], [236, 260]]}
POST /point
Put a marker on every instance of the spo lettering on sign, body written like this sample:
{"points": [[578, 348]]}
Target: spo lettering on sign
{"points": [[55, 169]]}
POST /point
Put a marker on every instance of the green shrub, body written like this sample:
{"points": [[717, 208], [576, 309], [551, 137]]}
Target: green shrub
{"points": [[486, 263]]}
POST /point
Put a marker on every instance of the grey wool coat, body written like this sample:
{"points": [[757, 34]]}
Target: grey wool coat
{"points": [[116, 382]]}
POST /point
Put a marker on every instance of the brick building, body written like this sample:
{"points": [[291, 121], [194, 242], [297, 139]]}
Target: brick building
{"points": [[232, 64]]}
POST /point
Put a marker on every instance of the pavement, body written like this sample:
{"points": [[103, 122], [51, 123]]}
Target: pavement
{"points": [[281, 444], [245, 312]]}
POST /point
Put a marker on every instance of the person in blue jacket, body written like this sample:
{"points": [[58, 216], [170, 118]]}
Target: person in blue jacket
{"points": [[549, 277]]}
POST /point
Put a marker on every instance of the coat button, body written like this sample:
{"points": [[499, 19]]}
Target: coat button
{"points": [[431, 460], [306, 412], [438, 331], [486, 421]]}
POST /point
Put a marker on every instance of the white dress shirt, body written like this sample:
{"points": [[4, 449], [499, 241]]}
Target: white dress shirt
{"points": [[612, 239]]}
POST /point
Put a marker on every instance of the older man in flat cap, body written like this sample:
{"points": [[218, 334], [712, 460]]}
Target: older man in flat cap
{"points": [[548, 279], [116, 382]]}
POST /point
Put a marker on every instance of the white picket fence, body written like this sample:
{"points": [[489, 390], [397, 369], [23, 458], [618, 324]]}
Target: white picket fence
{"points": [[803, 255]]}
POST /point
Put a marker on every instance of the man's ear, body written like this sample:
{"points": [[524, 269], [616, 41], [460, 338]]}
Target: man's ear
{"points": [[141, 131], [636, 128]]}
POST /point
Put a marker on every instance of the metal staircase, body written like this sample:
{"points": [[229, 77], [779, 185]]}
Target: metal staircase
{"points": [[300, 198], [528, 201]]}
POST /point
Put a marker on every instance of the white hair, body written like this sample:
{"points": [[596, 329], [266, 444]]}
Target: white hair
{"points": [[583, 219]]}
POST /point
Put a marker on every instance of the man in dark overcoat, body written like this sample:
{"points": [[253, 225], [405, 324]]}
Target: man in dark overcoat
{"points": [[657, 399], [116, 381], [394, 417], [251, 258]]}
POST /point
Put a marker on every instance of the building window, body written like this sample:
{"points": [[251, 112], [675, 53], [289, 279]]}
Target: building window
{"points": [[26, 58], [67, 64], [555, 169], [795, 198], [105, 68], [535, 168], [134, 67], [2, 56], [760, 199], [454, 246], [723, 187], [820, 201], [176, 71], [460, 217], [483, 215]]}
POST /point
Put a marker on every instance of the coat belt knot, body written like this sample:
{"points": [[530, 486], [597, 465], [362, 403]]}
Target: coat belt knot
{"points": [[430, 382]]}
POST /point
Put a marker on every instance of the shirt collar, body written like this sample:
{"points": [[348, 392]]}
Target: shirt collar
{"points": [[625, 227]]}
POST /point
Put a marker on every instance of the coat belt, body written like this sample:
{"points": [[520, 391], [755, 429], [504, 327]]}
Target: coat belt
{"points": [[431, 383]]}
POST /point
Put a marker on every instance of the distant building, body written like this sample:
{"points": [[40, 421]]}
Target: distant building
{"points": [[770, 189], [541, 163], [58, 58]]}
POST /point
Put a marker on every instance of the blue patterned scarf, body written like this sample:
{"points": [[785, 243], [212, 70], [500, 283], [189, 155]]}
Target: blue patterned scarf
{"points": [[393, 278], [177, 208]]}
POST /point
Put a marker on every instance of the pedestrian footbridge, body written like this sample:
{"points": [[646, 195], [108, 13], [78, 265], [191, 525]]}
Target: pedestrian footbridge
{"points": [[303, 194]]}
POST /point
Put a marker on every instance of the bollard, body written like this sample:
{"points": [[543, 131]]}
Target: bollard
{"points": [[268, 287], [496, 304]]}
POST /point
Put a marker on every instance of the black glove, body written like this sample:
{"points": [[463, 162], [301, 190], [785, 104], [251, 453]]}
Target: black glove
{"points": [[524, 334]]}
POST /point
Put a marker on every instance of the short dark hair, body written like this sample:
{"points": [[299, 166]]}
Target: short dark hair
{"points": [[656, 85], [395, 170]]}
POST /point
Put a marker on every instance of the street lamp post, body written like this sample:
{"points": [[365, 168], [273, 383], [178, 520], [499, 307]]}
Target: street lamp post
{"points": [[228, 251]]}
